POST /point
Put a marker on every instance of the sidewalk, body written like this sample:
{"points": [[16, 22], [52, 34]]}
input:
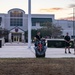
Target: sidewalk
{"points": [[16, 52], [59, 53], [23, 52]]}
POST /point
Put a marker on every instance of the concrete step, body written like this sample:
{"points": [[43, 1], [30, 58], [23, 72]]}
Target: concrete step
{"points": [[16, 44]]}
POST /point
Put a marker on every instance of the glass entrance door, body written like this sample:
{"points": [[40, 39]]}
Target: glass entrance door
{"points": [[16, 37]]}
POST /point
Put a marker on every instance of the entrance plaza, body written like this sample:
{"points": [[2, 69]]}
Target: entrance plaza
{"points": [[21, 50]]}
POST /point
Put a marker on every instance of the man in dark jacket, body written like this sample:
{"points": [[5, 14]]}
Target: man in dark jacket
{"points": [[67, 43], [38, 36]]}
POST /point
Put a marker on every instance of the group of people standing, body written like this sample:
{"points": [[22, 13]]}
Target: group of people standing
{"points": [[66, 38]]}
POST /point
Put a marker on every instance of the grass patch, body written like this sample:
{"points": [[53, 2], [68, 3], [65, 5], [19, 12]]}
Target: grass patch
{"points": [[37, 66]]}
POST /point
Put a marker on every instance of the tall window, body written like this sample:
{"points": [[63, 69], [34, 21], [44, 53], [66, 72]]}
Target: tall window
{"points": [[0, 20], [16, 18]]}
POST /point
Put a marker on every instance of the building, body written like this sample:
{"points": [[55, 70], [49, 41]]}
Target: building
{"points": [[16, 21], [66, 25]]}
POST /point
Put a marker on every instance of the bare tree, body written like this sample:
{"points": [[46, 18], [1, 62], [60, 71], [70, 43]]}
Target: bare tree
{"points": [[51, 30]]}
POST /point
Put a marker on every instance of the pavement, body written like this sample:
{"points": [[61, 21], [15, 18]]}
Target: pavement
{"points": [[16, 50]]}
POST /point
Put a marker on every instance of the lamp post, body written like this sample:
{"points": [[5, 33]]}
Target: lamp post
{"points": [[74, 22], [29, 23]]}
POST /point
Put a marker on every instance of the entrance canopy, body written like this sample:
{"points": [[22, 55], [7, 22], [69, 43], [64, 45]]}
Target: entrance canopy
{"points": [[16, 35]]}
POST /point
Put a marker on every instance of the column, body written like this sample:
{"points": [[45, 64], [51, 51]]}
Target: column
{"points": [[10, 40], [23, 40]]}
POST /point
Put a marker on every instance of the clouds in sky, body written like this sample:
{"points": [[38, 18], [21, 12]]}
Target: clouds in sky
{"points": [[51, 9], [56, 7]]}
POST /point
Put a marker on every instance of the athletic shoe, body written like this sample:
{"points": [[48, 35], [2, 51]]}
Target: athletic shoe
{"points": [[69, 52], [65, 52]]}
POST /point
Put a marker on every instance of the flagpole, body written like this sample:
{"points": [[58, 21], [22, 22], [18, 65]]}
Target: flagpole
{"points": [[74, 22], [29, 23]]}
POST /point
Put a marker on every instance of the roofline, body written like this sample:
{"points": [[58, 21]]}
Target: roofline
{"points": [[15, 27]]}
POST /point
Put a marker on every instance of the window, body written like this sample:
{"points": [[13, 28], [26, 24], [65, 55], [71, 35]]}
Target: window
{"points": [[40, 20], [69, 26], [16, 18], [16, 22], [16, 14]]}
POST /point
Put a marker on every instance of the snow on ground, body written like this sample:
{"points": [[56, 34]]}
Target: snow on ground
{"points": [[22, 51]]}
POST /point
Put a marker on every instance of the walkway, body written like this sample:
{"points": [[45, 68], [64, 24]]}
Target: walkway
{"points": [[22, 51]]}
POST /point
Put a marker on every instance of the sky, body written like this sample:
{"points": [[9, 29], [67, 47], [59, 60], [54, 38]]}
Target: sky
{"points": [[60, 8]]}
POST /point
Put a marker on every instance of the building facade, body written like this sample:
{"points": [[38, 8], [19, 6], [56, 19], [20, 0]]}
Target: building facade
{"points": [[16, 21], [66, 25]]}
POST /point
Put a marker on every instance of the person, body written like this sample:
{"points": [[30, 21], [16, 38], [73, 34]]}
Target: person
{"points": [[38, 36], [74, 46], [67, 43], [40, 45]]}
